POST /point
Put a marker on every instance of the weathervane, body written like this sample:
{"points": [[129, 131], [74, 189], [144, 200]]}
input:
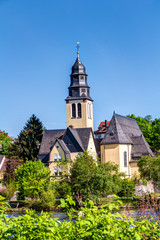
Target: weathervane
{"points": [[78, 48]]}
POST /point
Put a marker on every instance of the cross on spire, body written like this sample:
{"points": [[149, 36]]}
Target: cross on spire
{"points": [[77, 47]]}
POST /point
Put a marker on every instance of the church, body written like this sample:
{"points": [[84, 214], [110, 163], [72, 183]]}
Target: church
{"points": [[123, 143]]}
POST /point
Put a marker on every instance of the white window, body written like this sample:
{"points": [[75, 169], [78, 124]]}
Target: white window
{"points": [[60, 171], [60, 157], [55, 157], [55, 171]]}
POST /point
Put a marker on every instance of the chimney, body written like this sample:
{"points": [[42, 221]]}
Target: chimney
{"points": [[71, 126], [106, 123]]}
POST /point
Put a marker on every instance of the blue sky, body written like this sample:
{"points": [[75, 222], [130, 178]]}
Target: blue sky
{"points": [[119, 46]]}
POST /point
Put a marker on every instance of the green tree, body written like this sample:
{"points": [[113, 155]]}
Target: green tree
{"points": [[5, 142], [31, 178], [149, 168], [26, 146], [91, 179]]}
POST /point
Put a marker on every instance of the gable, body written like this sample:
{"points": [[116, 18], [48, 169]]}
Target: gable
{"points": [[72, 142], [48, 141]]}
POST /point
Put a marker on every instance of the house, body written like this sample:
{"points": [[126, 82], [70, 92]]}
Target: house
{"points": [[102, 129], [65, 144], [99, 135], [124, 144]]}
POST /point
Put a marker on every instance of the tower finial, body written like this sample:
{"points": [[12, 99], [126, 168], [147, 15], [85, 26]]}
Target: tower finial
{"points": [[78, 48]]}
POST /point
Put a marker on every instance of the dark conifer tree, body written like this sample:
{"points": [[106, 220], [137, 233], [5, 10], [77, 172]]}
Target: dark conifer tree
{"points": [[26, 146]]}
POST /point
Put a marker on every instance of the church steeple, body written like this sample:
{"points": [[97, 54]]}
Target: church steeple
{"points": [[78, 87], [79, 103]]}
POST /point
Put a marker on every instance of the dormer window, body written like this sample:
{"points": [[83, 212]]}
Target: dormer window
{"points": [[83, 91], [82, 80]]}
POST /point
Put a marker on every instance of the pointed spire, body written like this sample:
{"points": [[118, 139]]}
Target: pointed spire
{"points": [[78, 49]]}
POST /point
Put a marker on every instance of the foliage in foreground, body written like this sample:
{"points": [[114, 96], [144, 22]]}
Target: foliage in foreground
{"points": [[91, 224]]}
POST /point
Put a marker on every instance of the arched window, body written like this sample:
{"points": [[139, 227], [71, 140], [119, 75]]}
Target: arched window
{"points": [[90, 111], [73, 110], [79, 110], [125, 159]]}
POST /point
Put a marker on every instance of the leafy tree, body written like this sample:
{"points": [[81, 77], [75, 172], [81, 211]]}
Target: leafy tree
{"points": [[31, 178], [90, 179], [5, 142], [149, 168], [26, 146]]}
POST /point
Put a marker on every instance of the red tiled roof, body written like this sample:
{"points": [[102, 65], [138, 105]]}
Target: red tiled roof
{"points": [[102, 128]]}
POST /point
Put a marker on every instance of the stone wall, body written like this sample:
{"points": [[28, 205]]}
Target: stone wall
{"points": [[141, 189]]}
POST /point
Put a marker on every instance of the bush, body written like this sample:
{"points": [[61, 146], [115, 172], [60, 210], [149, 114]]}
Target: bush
{"points": [[63, 189], [46, 199], [127, 188]]}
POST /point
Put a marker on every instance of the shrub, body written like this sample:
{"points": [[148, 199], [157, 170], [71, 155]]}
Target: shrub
{"points": [[127, 188]]}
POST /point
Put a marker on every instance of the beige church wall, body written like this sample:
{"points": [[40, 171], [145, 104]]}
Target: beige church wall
{"points": [[124, 148], [110, 152], [134, 169], [82, 122], [91, 147]]}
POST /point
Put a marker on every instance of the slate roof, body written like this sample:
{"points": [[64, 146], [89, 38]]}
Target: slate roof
{"points": [[123, 130], [71, 140], [84, 134], [78, 67], [48, 140], [140, 147]]}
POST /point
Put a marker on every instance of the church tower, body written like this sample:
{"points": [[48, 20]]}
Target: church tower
{"points": [[79, 104]]}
